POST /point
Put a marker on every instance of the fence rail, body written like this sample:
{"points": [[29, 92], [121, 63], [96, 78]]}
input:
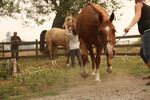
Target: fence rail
{"points": [[5, 54]]}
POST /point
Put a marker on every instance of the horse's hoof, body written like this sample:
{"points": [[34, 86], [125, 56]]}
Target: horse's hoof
{"points": [[98, 80], [93, 74], [109, 69], [68, 65], [84, 74]]}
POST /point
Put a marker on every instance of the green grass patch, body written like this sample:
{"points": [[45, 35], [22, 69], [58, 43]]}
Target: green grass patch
{"points": [[38, 78]]}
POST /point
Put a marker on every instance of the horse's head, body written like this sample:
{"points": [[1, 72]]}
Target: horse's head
{"points": [[108, 31]]}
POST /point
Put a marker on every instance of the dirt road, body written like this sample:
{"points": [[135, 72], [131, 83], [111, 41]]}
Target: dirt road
{"points": [[117, 88]]}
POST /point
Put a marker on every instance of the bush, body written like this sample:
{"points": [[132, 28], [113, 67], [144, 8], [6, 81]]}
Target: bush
{"points": [[5, 70]]}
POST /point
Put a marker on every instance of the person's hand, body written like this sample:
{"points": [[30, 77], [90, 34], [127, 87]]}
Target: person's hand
{"points": [[126, 30]]}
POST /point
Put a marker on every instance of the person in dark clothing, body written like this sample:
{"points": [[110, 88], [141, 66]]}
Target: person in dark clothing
{"points": [[142, 18], [15, 41]]}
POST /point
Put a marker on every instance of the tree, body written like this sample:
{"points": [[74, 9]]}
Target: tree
{"points": [[65, 7], [40, 10], [7, 7]]}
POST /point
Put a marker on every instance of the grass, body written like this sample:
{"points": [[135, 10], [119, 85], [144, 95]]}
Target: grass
{"points": [[38, 78]]}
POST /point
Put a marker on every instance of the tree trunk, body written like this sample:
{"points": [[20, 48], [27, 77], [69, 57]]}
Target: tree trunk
{"points": [[58, 21]]}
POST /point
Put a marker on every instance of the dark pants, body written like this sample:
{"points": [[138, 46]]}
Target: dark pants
{"points": [[15, 54], [72, 54], [145, 47]]}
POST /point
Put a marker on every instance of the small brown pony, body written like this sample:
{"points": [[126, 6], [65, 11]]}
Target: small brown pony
{"points": [[95, 30], [54, 37]]}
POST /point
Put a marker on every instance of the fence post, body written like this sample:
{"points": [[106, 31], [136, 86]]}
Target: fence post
{"points": [[36, 48], [3, 49]]}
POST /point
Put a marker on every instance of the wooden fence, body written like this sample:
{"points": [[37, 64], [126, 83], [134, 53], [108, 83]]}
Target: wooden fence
{"points": [[35, 51]]}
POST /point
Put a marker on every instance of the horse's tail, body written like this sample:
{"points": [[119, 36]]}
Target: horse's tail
{"points": [[42, 40]]}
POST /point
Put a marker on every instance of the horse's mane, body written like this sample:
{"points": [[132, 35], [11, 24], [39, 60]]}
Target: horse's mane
{"points": [[73, 24], [100, 10], [74, 31]]}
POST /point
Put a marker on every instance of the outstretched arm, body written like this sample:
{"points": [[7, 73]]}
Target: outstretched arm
{"points": [[136, 18]]}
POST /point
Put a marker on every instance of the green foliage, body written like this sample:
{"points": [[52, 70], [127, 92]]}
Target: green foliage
{"points": [[40, 10], [127, 65], [137, 42], [8, 90], [39, 78], [5, 70], [8, 7]]}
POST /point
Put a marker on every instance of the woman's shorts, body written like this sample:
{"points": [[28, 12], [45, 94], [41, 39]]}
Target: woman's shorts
{"points": [[145, 47]]}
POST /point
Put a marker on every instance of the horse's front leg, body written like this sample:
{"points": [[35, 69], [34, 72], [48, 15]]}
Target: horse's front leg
{"points": [[54, 52], [49, 44], [109, 64], [83, 48], [93, 59], [110, 54], [97, 61]]}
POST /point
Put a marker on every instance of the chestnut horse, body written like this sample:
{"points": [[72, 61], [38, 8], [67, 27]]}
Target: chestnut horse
{"points": [[54, 37], [95, 30]]}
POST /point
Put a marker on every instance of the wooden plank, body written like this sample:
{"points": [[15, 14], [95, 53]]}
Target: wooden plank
{"points": [[36, 49], [127, 45], [129, 36]]}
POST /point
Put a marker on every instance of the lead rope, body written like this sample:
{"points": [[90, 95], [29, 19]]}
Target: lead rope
{"points": [[120, 38]]}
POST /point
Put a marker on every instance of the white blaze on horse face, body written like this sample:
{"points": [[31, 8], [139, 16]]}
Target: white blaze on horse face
{"points": [[107, 28], [109, 46], [110, 50]]}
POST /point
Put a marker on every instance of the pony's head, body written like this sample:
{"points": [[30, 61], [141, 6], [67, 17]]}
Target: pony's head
{"points": [[70, 21], [108, 31]]}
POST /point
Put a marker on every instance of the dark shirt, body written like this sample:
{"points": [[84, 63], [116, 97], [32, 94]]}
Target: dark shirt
{"points": [[15, 40], [144, 22]]}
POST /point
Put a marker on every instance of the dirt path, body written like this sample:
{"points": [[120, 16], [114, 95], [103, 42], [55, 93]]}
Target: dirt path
{"points": [[118, 88]]}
